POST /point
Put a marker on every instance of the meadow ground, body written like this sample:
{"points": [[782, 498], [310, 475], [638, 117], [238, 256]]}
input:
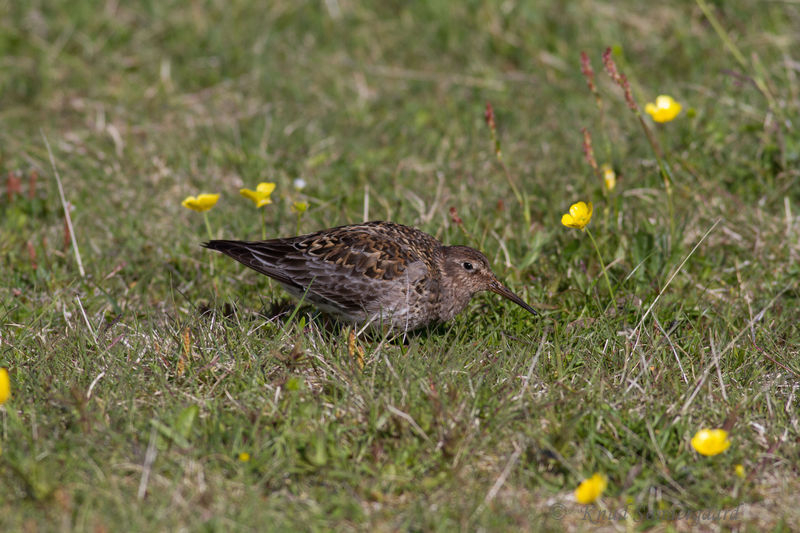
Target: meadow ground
{"points": [[158, 387]]}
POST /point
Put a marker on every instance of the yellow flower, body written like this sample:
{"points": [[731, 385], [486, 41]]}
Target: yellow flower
{"points": [[664, 109], [260, 196], [739, 469], [609, 177], [591, 489], [200, 203], [579, 215], [244, 457], [710, 441], [5, 386], [299, 207]]}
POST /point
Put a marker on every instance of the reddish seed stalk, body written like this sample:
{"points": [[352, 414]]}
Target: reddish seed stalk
{"points": [[32, 185], [621, 80], [626, 86], [32, 255], [455, 218], [458, 221], [13, 186], [611, 67], [588, 151], [489, 116], [588, 73]]}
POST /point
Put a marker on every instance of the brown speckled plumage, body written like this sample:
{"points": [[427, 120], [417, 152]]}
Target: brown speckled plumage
{"points": [[382, 273]]}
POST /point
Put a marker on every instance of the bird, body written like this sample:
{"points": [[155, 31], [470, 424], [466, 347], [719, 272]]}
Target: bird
{"points": [[379, 274]]}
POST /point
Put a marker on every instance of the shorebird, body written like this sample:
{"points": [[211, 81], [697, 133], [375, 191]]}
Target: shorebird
{"points": [[376, 273]]}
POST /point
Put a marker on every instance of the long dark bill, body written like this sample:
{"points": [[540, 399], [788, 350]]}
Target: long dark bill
{"points": [[506, 293]]}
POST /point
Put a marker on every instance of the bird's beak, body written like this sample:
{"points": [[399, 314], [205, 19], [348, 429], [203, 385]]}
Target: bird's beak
{"points": [[500, 289]]}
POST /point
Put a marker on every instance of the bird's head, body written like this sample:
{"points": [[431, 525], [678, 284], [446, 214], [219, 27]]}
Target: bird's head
{"points": [[468, 271]]}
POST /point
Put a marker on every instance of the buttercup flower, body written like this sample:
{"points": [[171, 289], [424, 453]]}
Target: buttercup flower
{"points": [[244, 457], [200, 203], [664, 109], [579, 215], [609, 177], [591, 489], [710, 441], [299, 207], [739, 469], [5, 386], [260, 196]]}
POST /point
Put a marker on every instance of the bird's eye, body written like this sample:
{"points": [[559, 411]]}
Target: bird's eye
{"points": [[467, 265]]}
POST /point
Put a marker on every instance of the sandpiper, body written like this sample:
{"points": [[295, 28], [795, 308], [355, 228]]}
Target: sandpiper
{"points": [[376, 273]]}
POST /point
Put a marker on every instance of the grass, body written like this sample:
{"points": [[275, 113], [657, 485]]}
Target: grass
{"points": [[136, 387]]}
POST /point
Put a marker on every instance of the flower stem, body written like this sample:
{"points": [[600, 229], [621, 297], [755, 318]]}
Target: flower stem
{"points": [[602, 264], [208, 227], [263, 226], [665, 174], [210, 237]]}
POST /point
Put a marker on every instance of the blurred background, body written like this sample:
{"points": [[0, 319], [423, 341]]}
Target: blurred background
{"points": [[379, 108]]}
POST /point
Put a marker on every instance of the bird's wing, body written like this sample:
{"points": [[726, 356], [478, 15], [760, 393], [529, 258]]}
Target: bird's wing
{"points": [[347, 268]]}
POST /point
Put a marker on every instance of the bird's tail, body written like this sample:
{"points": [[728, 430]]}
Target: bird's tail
{"points": [[261, 256]]}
